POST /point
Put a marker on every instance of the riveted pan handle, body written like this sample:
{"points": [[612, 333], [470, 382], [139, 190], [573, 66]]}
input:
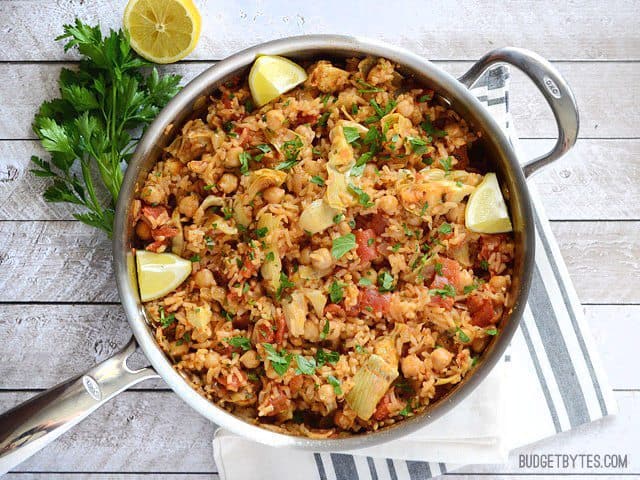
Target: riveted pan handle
{"points": [[554, 88], [29, 427]]}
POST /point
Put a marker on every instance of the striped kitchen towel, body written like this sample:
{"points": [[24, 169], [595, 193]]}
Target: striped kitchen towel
{"points": [[551, 380]]}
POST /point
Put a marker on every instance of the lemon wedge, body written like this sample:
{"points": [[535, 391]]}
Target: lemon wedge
{"points": [[160, 273], [162, 31], [271, 76], [486, 210]]}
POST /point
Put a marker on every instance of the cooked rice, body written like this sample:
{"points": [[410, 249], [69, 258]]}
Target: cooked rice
{"points": [[418, 277]]}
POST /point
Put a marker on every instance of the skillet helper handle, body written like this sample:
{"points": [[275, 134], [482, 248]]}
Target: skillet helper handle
{"points": [[27, 428], [553, 87]]}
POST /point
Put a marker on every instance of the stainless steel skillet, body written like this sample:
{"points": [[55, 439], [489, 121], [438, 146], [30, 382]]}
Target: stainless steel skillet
{"points": [[28, 427]]}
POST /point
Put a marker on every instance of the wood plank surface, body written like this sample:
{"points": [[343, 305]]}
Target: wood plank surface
{"points": [[557, 30], [70, 262], [156, 432], [56, 342], [602, 113], [581, 186]]}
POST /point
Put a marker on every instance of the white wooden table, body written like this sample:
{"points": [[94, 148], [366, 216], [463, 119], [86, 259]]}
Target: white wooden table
{"points": [[59, 310]]}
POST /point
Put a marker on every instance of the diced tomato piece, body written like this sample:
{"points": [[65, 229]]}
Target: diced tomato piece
{"points": [[233, 381], [265, 333], [482, 312], [451, 270], [376, 222], [490, 244], [165, 231], [444, 302], [382, 410], [308, 118], [153, 212], [281, 328], [157, 247], [248, 269], [334, 309], [295, 384], [279, 401], [365, 251], [369, 299]]}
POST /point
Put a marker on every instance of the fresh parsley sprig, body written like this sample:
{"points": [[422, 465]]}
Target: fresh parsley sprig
{"points": [[88, 130]]}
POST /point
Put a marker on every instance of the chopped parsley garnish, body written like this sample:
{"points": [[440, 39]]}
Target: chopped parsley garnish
{"points": [[446, 163], [325, 99], [354, 109], [462, 336], [244, 158], [365, 282], [385, 282], [264, 148], [367, 87], [430, 130], [352, 223], [446, 291], [261, 232], [484, 265], [491, 331], [317, 180], [338, 218], [474, 361], [445, 228], [418, 145], [351, 134], [438, 268], [280, 361], [270, 257], [305, 366], [335, 383], [239, 342], [425, 98], [195, 258], [227, 212], [291, 150], [322, 121], [363, 198], [326, 356], [342, 245], [336, 292], [407, 411], [284, 284], [166, 320], [396, 247], [470, 288], [380, 112], [371, 241], [360, 349], [325, 330], [209, 187], [424, 208]]}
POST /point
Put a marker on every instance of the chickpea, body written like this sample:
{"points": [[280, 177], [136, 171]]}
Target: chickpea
{"points": [[305, 258], [152, 194], [232, 160], [405, 107], [411, 366], [173, 167], [143, 231], [273, 195], [250, 359], [388, 204], [228, 183], [275, 119], [204, 278], [188, 205], [441, 358], [321, 259], [479, 344]]}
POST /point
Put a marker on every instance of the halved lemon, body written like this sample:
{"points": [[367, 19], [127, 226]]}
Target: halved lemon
{"points": [[271, 76], [160, 273], [162, 31], [486, 210]]}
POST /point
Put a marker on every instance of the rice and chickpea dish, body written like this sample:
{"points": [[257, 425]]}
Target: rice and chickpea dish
{"points": [[334, 286]]}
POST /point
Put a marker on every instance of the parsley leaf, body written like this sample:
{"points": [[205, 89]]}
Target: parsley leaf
{"points": [[166, 320], [91, 126], [367, 87], [470, 288], [291, 150], [418, 145], [264, 148], [446, 291], [445, 228], [244, 158], [351, 134], [446, 163], [385, 282], [342, 245], [335, 292], [239, 342], [363, 198], [317, 180], [365, 282], [305, 366], [270, 257], [325, 330], [484, 265], [430, 130], [262, 232], [326, 356], [462, 336], [335, 383], [491, 331], [280, 361], [284, 284]]}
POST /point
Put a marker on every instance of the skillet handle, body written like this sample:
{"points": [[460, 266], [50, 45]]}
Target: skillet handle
{"points": [[552, 85], [29, 427]]}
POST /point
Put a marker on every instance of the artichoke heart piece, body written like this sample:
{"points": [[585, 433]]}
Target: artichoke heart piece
{"points": [[272, 265], [317, 216], [210, 201], [261, 179], [177, 242], [371, 382], [295, 313], [199, 316]]}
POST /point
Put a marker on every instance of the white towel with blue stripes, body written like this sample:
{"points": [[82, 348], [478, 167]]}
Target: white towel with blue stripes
{"points": [[550, 380]]}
